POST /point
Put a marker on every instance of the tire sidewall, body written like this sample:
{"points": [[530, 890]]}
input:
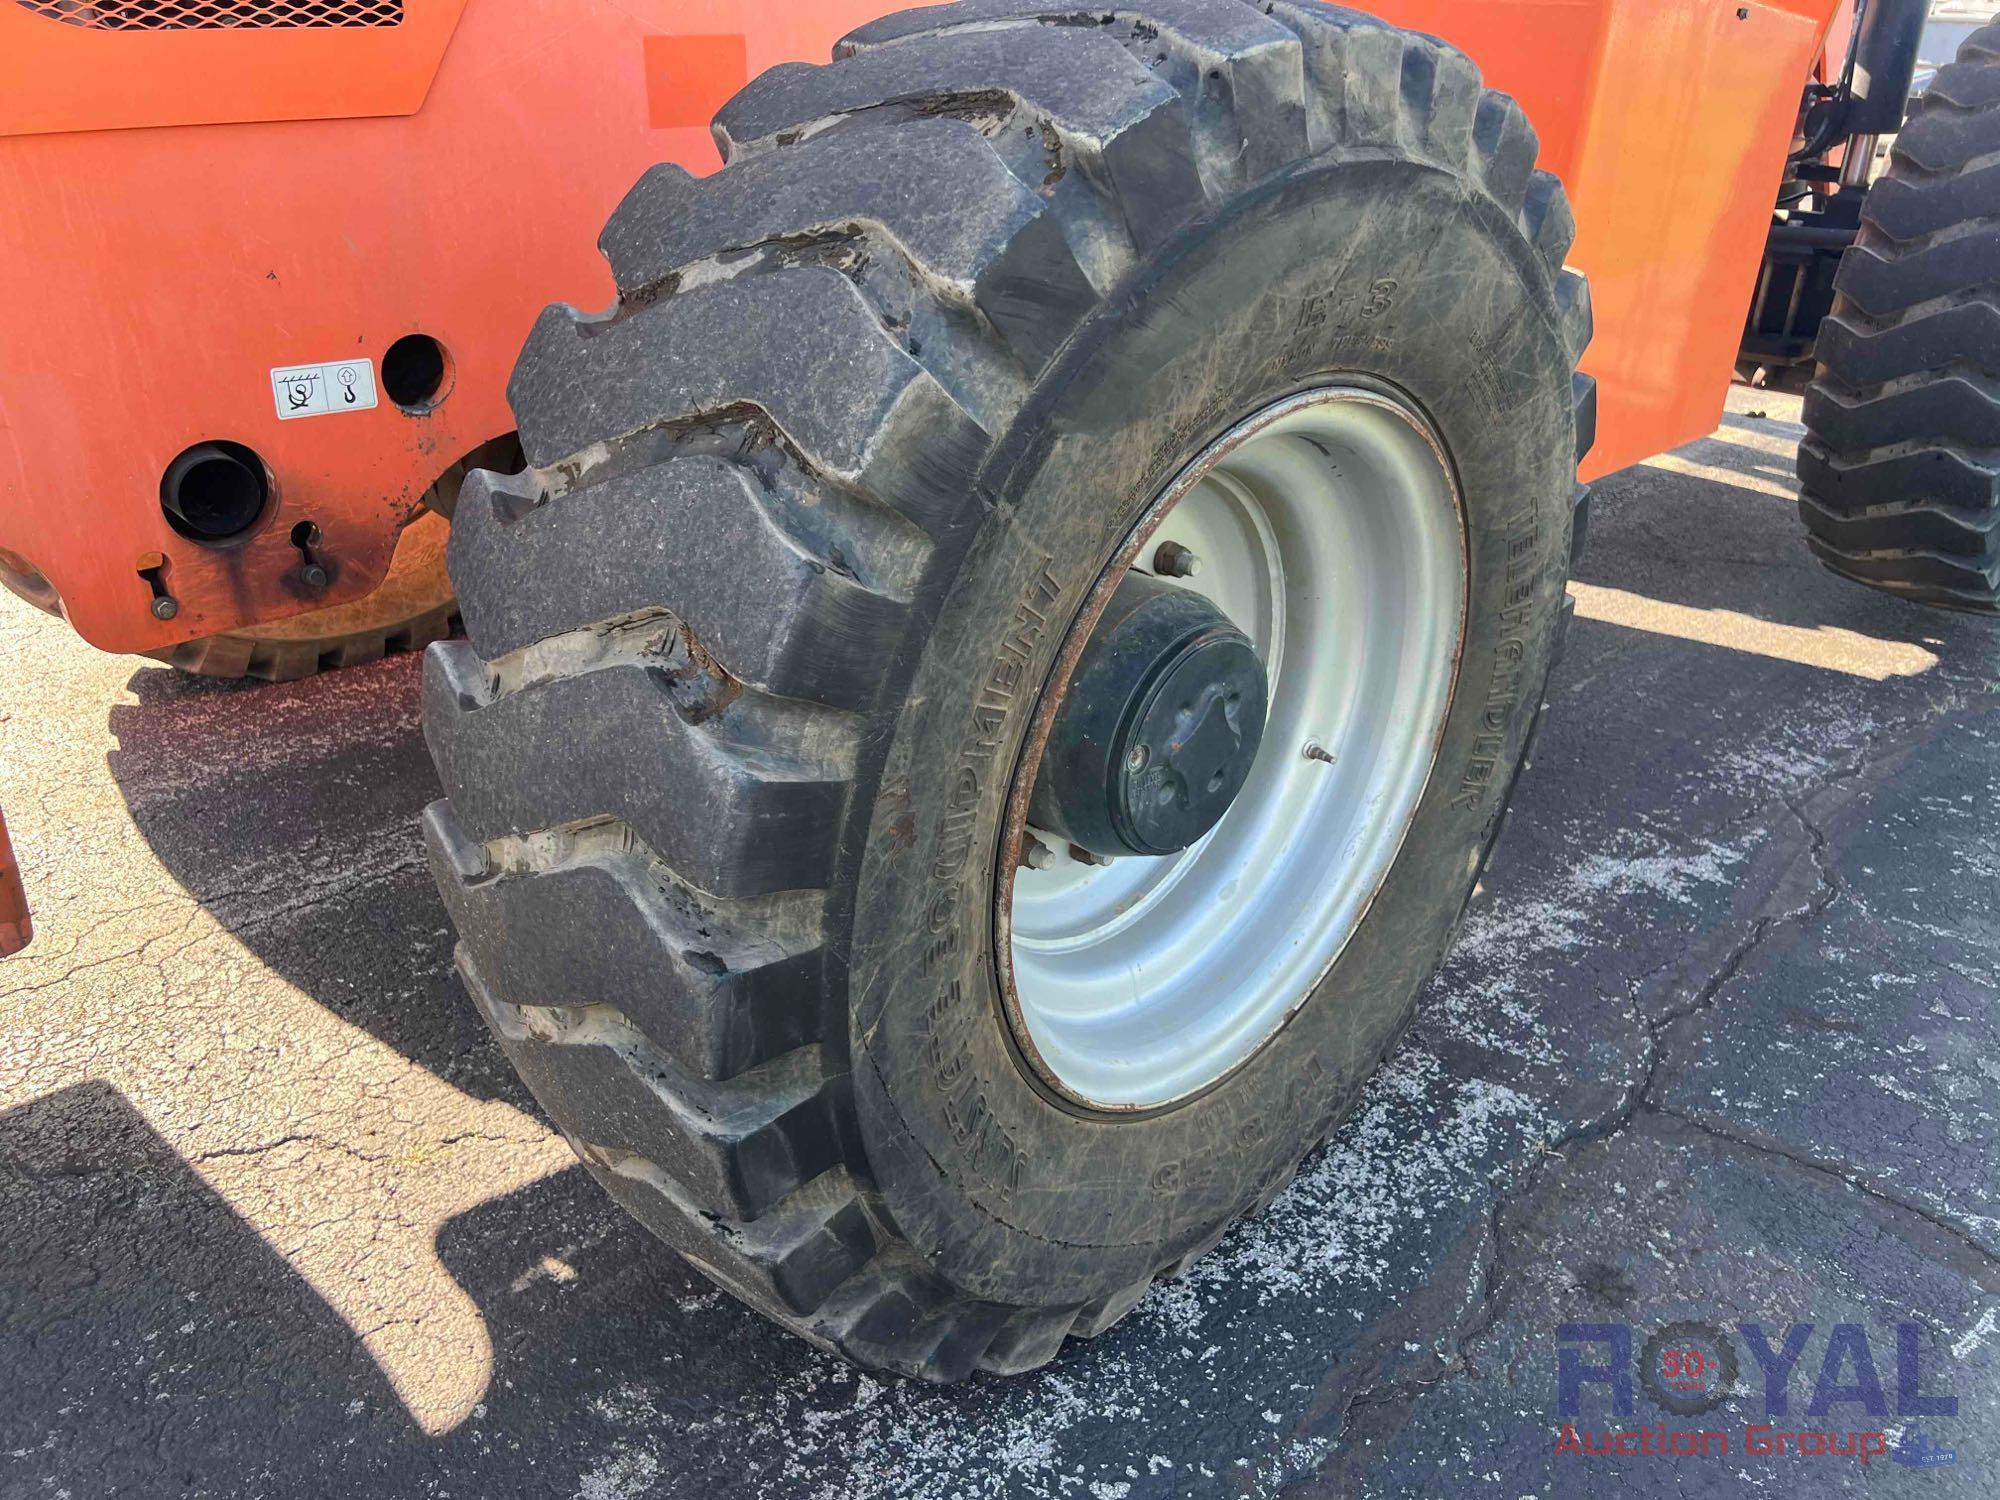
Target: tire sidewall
{"points": [[1377, 267]]}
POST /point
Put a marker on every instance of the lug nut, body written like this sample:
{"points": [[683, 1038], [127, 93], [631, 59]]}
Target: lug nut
{"points": [[1175, 561], [1316, 751], [1037, 855], [313, 576], [166, 607], [1084, 856]]}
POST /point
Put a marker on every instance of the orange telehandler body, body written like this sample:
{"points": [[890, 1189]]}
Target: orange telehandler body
{"points": [[204, 201]]}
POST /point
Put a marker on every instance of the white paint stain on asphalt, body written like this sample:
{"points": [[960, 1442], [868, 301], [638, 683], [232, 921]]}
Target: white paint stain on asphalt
{"points": [[1496, 975], [1420, 1143]]}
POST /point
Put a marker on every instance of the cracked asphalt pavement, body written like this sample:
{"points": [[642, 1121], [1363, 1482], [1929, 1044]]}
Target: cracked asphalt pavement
{"points": [[1717, 1045]]}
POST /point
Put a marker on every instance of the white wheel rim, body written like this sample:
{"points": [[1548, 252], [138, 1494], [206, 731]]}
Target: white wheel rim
{"points": [[1329, 531]]}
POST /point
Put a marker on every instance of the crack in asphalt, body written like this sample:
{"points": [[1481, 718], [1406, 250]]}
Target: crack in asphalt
{"points": [[137, 954], [1767, 1146], [263, 908], [344, 1147], [1809, 806]]}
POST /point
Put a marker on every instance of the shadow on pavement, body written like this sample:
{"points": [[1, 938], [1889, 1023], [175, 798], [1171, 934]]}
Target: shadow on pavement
{"points": [[157, 1345], [1709, 533], [154, 1343], [290, 813]]}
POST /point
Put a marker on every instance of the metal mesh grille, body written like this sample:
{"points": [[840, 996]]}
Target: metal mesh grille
{"points": [[215, 15]]}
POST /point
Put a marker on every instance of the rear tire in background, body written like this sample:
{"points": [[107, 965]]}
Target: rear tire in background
{"points": [[817, 516], [1901, 464]]}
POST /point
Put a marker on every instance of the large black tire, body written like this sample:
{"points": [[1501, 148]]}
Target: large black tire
{"points": [[875, 405], [1901, 463]]}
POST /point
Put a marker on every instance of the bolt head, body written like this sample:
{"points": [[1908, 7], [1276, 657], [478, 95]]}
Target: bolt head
{"points": [[166, 607], [1172, 560], [1135, 762], [313, 576]]}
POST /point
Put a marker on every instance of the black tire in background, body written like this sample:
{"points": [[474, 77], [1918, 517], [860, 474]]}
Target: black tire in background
{"points": [[957, 308], [1901, 463]]}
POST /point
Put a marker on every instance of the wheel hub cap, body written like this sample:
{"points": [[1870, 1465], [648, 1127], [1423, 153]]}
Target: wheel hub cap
{"points": [[1331, 546], [1160, 729]]}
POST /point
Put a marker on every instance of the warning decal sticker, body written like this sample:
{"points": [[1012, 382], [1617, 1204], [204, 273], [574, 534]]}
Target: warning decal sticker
{"points": [[323, 390]]}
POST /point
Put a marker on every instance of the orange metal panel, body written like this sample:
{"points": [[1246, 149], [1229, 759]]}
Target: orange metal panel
{"points": [[1669, 121], [59, 75], [690, 78], [152, 279]]}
